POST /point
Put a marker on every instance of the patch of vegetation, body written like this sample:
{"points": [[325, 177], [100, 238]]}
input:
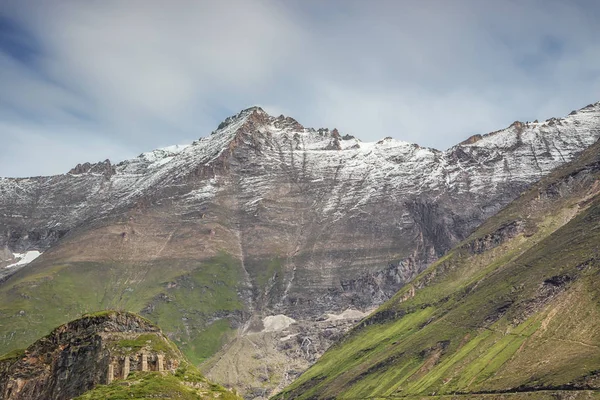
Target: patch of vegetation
{"points": [[150, 341], [189, 373], [100, 314], [267, 270], [190, 305], [13, 355], [209, 341], [184, 385], [267, 277], [181, 296]]}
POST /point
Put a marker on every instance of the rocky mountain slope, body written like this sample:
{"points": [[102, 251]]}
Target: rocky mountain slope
{"points": [[265, 237], [512, 312], [104, 355]]}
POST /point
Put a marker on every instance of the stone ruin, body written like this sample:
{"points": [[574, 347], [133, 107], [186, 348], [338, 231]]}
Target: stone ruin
{"points": [[120, 367]]}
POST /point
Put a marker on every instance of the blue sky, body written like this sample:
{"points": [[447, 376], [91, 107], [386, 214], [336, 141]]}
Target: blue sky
{"points": [[89, 80]]}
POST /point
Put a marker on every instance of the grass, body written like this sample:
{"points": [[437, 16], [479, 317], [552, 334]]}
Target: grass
{"points": [[263, 271], [186, 384], [12, 355], [99, 314], [210, 340], [186, 311], [181, 296], [149, 341]]}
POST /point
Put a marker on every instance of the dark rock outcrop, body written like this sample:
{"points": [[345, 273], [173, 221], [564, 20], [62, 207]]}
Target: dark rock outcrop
{"points": [[104, 168], [496, 238]]}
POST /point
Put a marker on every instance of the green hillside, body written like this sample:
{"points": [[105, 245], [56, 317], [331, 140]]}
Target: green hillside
{"points": [[181, 296], [186, 384], [512, 312]]}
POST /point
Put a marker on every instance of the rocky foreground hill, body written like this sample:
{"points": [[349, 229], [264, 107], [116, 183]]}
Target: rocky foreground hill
{"points": [[106, 355], [512, 312], [257, 246]]}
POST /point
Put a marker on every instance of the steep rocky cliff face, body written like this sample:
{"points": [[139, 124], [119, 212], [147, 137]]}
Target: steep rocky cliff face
{"points": [[262, 218], [78, 356], [512, 312]]}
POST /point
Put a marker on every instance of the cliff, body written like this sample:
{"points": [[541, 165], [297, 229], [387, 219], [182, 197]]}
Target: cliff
{"points": [[511, 312]]}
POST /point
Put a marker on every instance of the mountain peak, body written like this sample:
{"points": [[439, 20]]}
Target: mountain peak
{"points": [[253, 109], [254, 112], [250, 119]]}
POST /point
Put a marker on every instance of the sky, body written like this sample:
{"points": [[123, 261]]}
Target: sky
{"points": [[96, 79]]}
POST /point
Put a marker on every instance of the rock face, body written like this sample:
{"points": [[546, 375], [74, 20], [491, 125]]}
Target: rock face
{"points": [[511, 312], [77, 356], [269, 355], [261, 218]]}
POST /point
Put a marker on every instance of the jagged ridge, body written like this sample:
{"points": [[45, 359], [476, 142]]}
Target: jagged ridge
{"points": [[266, 217]]}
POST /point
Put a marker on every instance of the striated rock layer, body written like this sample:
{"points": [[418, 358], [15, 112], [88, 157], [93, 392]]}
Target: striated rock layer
{"points": [[510, 313], [261, 218]]}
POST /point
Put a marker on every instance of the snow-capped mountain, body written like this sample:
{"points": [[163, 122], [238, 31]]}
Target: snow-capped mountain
{"points": [[315, 222]]}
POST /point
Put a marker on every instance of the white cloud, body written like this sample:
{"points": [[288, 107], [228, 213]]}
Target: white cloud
{"points": [[31, 151], [128, 76]]}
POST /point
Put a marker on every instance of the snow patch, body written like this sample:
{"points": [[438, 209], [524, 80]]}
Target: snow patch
{"points": [[206, 192], [168, 151], [24, 258], [160, 157], [279, 322]]}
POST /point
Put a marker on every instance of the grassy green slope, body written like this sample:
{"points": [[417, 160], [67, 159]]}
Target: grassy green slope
{"points": [[521, 314], [181, 296], [186, 384]]}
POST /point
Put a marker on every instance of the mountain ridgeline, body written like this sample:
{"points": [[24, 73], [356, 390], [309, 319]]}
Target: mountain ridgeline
{"points": [[513, 311], [256, 247]]}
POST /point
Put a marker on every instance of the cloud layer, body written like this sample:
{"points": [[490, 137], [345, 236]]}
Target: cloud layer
{"points": [[85, 81]]}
